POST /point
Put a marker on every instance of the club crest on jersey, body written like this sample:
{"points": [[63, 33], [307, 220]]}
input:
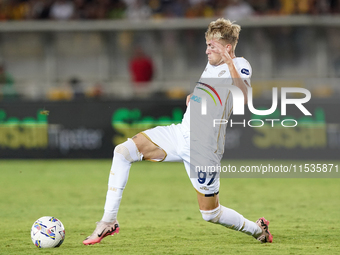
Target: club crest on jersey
{"points": [[221, 73], [245, 71]]}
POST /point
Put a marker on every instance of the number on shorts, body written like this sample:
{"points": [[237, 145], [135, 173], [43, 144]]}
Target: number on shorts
{"points": [[202, 176], [213, 174]]}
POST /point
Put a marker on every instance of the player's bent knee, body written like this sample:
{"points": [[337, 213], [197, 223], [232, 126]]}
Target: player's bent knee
{"points": [[128, 150], [121, 151], [211, 216]]}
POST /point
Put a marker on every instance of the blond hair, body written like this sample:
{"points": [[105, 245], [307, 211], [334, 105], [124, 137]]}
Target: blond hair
{"points": [[224, 30]]}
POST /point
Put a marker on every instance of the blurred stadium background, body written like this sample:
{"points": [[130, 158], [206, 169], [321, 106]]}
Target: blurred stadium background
{"points": [[106, 70]]}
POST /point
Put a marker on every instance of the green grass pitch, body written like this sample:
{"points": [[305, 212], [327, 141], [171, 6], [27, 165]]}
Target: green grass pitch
{"points": [[159, 212]]}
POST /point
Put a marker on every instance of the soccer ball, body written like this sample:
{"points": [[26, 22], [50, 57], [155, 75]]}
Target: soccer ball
{"points": [[47, 232]]}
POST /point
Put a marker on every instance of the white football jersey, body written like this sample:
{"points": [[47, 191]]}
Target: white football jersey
{"points": [[212, 100]]}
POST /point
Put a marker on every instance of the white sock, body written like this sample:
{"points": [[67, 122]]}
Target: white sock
{"points": [[124, 155], [231, 219]]}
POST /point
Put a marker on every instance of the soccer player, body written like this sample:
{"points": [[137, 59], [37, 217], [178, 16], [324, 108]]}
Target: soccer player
{"points": [[198, 145]]}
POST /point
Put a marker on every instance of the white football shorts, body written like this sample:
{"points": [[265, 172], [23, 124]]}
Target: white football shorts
{"points": [[175, 141]]}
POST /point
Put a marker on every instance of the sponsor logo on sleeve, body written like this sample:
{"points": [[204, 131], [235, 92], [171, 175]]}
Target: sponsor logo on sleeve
{"points": [[245, 71]]}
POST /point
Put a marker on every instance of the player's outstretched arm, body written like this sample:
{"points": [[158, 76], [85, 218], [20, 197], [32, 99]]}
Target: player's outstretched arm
{"points": [[238, 81]]}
